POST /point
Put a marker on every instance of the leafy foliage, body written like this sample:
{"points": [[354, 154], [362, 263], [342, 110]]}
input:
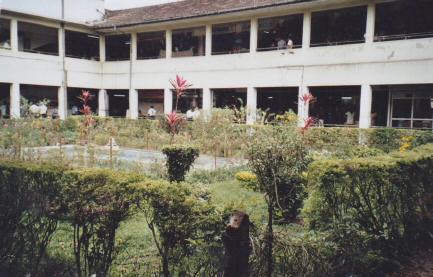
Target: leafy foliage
{"points": [[179, 161]]}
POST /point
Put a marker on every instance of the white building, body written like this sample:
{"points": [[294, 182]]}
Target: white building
{"points": [[370, 60]]}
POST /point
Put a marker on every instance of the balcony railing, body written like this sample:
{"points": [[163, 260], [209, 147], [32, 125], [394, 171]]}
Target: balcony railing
{"points": [[403, 36]]}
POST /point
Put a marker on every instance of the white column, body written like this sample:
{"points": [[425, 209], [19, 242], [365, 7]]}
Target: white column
{"points": [[306, 31], [15, 100], [303, 109], [207, 100], [61, 38], [251, 105], [369, 30], [133, 104], [254, 34], [208, 40], [102, 48], [168, 44], [14, 35], [63, 105], [134, 46], [168, 101], [102, 103], [365, 111]]}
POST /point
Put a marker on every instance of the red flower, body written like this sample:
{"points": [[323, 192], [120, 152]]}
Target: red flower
{"points": [[180, 85], [173, 121], [309, 122], [307, 98]]}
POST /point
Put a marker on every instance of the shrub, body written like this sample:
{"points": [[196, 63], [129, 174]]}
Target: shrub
{"points": [[179, 161], [184, 224], [29, 211], [97, 201], [385, 197]]}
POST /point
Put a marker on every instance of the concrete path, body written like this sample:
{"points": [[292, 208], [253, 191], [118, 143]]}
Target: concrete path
{"points": [[144, 157]]}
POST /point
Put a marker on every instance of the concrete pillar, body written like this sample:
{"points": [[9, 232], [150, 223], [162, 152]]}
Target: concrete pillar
{"points": [[103, 103], [61, 38], [134, 46], [303, 109], [365, 110], [208, 40], [63, 102], [207, 100], [133, 104], [254, 34], [15, 97], [251, 105], [306, 31], [371, 18], [14, 35], [168, 44], [102, 48], [168, 101]]}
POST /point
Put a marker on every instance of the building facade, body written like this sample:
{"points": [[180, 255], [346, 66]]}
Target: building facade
{"points": [[368, 63]]}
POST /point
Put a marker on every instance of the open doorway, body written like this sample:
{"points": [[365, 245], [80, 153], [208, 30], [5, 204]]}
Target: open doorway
{"points": [[41, 96], [150, 103], [191, 99], [74, 103], [229, 98], [4, 100], [336, 106], [277, 101], [118, 102]]}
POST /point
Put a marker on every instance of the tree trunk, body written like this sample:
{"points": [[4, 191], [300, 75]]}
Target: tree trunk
{"points": [[165, 268], [236, 241], [270, 240]]}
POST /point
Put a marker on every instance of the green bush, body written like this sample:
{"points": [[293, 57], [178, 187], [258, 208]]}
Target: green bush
{"points": [[386, 197], [185, 227], [179, 160], [34, 198], [29, 211]]}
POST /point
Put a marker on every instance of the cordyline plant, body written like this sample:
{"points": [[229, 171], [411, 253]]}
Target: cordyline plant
{"points": [[86, 110], [306, 99], [173, 120]]}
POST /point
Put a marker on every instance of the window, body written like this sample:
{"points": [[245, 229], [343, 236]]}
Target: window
{"points": [[82, 45], [75, 104], [231, 38], [38, 39], [151, 45], [118, 47], [276, 32], [118, 103], [336, 105], [404, 20], [189, 42], [412, 107], [192, 98], [5, 33], [342, 26]]}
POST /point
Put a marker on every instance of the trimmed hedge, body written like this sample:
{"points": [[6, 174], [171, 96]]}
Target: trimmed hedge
{"points": [[34, 198], [179, 160], [389, 197]]}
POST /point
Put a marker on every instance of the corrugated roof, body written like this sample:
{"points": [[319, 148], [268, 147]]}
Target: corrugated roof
{"points": [[184, 9]]}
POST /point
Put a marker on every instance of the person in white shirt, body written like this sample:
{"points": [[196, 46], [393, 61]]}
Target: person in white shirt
{"points": [[34, 110], [281, 44], [3, 109], [43, 110], [350, 118], [190, 114], [74, 110], [151, 112]]}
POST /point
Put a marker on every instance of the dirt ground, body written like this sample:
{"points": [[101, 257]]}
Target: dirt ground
{"points": [[421, 266]]}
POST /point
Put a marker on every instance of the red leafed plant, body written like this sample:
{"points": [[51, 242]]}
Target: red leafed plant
{"points": [[307, 98], [309, 122], [86, 110], [180, 85]]}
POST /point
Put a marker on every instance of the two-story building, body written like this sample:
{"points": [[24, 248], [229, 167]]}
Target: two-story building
{"points": [[367, 62]]}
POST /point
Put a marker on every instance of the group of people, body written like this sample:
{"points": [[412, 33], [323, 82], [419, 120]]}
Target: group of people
{"points": [[192, 114], [41, 110]]}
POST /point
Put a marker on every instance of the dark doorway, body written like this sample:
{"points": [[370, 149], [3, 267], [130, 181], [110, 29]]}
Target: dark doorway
{"points": [[118, 102], [230, 98], [75, 104], [4, 100], [277, 101]]}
